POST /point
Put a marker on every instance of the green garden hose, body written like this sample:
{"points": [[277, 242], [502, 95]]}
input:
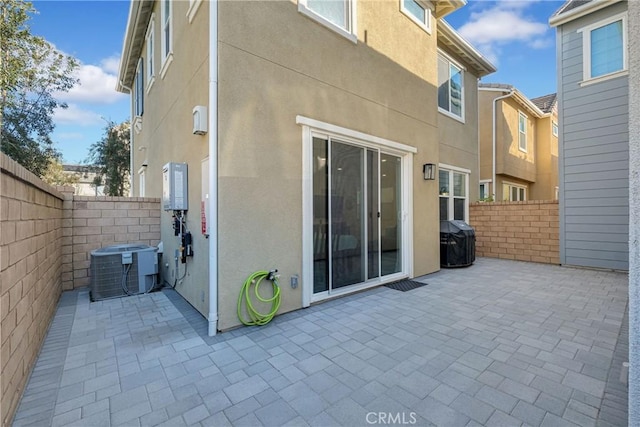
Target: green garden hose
{"points": [[257, 318]]}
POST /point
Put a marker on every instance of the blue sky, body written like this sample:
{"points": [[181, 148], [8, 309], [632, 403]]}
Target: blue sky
{"points": [[513, 34]]}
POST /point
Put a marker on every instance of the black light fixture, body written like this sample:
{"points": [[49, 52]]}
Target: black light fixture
{"points": [[429, 171]]}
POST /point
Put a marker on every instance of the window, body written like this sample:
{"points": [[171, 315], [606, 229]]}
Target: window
{"points": [[167, 35], [604, 47], [142, 182], [150, 54], [453, 186], [418, 12], [357, 216], [514, 192], [554, 128], [522, 132], [139, 89], [339, 15], [484, 191], [450, 88]]}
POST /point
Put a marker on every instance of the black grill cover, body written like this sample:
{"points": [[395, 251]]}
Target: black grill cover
{"points": [[457, 244]]}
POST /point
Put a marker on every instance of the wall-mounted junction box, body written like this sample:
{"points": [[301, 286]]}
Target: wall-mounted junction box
{"points": [[175, 194]]}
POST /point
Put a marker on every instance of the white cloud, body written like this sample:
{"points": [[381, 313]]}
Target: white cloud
{"points": [[96, 84], [74, 115], [111, 64], [503, 23]]}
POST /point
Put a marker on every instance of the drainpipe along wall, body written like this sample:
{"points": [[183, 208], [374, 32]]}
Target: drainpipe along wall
{"points": [[493, 143], [213, 168], [130, 139]]}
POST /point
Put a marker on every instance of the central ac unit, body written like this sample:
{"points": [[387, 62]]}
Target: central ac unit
{"points": [[122, 270]]}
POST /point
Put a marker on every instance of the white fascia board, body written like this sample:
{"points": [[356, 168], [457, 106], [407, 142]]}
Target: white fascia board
{"points": [[580, 11]]}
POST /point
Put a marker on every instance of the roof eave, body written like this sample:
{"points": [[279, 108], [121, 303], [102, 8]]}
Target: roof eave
{"points": [[580, 11], [519, 97], [450, 38], [139, 14], [445, 7]]}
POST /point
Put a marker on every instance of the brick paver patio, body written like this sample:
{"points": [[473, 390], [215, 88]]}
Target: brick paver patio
{"points": [[498, 343]]}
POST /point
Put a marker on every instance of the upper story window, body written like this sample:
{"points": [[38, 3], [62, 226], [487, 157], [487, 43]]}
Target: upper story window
{"points": [[522, 132], [339, 15], [454, 202], [166, 20], [139, 89], [554, 128], [604, 47], [450, 88], [150, 57], [418, 12]]}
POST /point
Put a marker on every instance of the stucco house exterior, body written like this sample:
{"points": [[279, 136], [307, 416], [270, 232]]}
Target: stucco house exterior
{"points": [[518, 145], [305, 128], [593, 92]]}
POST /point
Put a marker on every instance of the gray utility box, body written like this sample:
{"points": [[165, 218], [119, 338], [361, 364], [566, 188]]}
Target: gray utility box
{"points": [[175, 190]]}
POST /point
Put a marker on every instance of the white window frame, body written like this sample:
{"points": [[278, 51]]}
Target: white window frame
{"points": [[150, 54], [521, 133], [139, 89], [451, 197], [427, 14], [142, 181], [311, 128], [194, 5], [350, 33], [587, 79], [486, 183], [554, 128], [451, 61], [166, 25], [514, 185]]}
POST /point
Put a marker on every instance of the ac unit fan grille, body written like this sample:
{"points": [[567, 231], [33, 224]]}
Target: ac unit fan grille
{"points": [[107, 274]]}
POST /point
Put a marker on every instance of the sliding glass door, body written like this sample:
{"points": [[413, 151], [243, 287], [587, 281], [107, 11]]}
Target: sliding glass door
{"points": [[357, 214]]}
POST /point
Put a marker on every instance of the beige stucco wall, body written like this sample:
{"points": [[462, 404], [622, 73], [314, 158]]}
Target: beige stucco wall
{"points": [[383, 87], [546, 160], [31, 218], [167, 136], [537, 169], [458, 140], [485, 132], [510, 160]]}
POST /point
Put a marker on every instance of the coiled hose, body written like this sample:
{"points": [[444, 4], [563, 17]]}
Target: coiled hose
{"points": [[255, 317]]}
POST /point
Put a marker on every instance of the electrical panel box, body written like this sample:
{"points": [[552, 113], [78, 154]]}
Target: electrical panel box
{"points": [[175, 194]]}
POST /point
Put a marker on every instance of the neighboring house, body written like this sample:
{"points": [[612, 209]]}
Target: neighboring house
{"points": [[86, 176], [305, 128], [518, 145], [593, 91]]}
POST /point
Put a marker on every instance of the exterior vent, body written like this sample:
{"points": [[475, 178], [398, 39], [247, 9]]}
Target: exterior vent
{"points": [[121, 270]]}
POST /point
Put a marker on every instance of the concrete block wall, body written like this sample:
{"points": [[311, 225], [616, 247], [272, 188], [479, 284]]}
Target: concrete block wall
{"points": [[523, 231], [31, 215], [94, 222]]}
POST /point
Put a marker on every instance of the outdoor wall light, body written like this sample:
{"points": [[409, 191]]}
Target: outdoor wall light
{"points": [[429, 171]]}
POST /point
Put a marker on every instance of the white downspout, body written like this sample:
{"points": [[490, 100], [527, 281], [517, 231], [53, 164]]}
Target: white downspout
{"points": [[130, 140], [213, 167], [493, 143]]}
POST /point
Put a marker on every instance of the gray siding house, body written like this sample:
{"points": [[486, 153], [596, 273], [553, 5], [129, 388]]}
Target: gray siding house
{"points": [[593, 113]]}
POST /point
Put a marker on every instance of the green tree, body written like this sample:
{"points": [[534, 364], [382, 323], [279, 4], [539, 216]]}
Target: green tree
{"points": [[31, 72], [55, 174], [110, 156]]}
